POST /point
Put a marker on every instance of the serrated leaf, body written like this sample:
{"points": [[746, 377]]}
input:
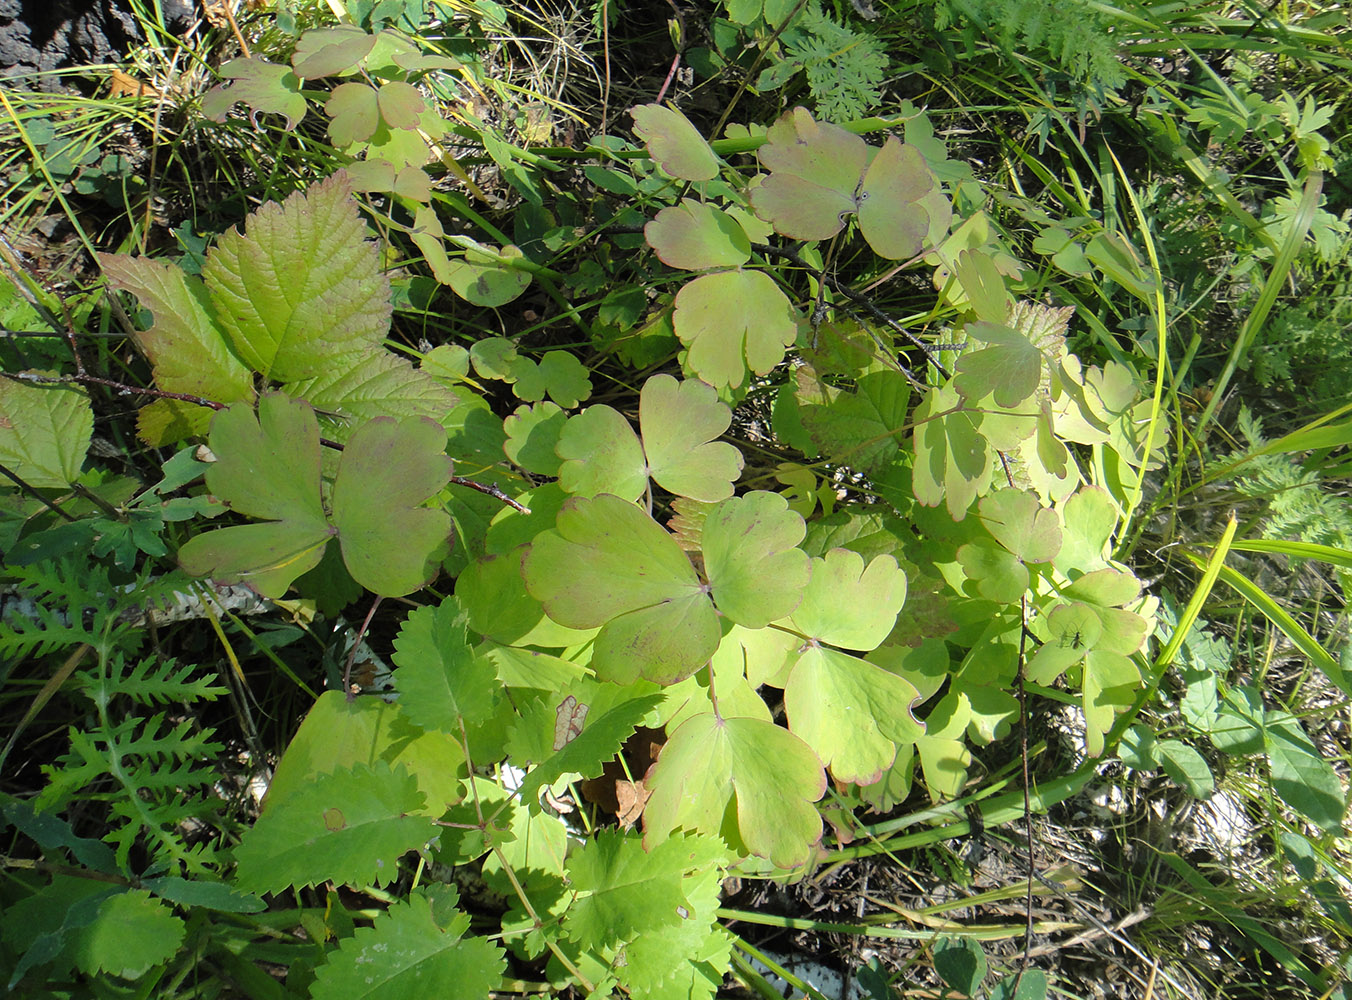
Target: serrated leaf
{"points": [[852, 713], [733, 321], [338, 732], [588, 752], [675, 144], [301, 287], [680, 421], [442, 682], [132, 933], [608, 564], [45, 431], [350, 825], [375, 385], [693, 236], [815, 169], [756, 572], [863, 429], [265, 87], [770, 775], [848, 605], [391, 544], [894, 208], [188, 351], [411, 950], [624, 890]]}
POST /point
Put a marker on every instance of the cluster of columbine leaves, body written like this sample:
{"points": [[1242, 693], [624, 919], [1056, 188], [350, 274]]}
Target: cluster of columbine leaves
{"points": [[577, 616]]}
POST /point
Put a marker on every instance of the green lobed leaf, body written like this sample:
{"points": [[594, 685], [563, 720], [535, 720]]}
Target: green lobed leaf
{"points": [[332, 51], [400, 104], [895, 207], [849, 605], [565, 378], [756, 572], [415, 948], [267, 467], [45, 431], [733, 321], [354, 113], [675, 144], [392, 545], [487, 279], [770, 775], [1110, 684], [854, 714], [679, 422], [815, 169], [1018, 522], [600, 453], [953, 463], [441, 680], [301, 287], [265, 87], [350, 825], [692, 236], [532, 435], [1010, 369], [608, 564]]}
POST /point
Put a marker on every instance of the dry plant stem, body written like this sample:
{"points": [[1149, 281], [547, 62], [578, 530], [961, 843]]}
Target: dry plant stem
{"points": [[1023, 760], [352, 653], [490, 490], [680, 50], [122, 388], [32, 492]]}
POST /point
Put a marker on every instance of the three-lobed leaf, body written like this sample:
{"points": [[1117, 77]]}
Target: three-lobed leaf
{"points": [[607, 564], [268, 466], [769, 774]]}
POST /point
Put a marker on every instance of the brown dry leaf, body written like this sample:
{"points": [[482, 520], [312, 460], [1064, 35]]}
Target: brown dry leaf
{"points": [[216, 13], [124, 85], [631, 797]]}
